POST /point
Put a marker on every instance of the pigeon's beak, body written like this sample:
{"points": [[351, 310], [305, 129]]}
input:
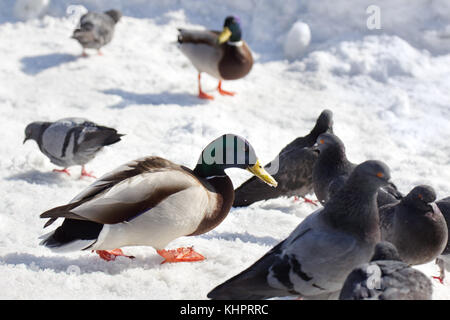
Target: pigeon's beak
{"points": [[261, 173], [25, 140]]}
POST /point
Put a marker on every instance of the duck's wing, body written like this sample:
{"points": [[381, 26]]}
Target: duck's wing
{"points": [[126, 192], [291, 169], [208, 37]]}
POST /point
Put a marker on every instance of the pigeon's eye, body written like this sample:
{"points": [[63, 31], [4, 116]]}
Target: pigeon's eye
{"points": [[322, 141], [380, 174], [420, 196]]}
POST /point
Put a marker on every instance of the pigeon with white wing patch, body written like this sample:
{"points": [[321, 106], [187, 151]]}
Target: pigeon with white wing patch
{"points": [[71, 141]]}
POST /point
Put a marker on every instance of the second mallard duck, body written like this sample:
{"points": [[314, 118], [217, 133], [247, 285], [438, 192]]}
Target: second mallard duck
{"points": [[223, 55], [152, 201]]}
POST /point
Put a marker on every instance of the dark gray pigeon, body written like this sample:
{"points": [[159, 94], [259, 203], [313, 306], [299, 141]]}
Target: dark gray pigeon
{"points": [[315, 259], [332, 169], [70, 141], [386, 277], [415, 225], [96, 29], [292, 168], [443, 261]]}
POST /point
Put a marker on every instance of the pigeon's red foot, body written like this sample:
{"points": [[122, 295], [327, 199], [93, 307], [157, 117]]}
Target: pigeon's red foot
{"points": [[84, 173], [223, 92], [203, 95], [84, 54], [180, 255], [111, 255], [306, 200], [99, 53], [441, 280], [62, 171]]}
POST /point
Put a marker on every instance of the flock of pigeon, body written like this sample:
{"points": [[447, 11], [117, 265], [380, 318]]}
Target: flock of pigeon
{"points": [[360, 244]]}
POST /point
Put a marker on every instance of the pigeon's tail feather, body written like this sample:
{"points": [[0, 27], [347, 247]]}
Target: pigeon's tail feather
{"points": [[250, 284], [103, 136], [254, 190]]}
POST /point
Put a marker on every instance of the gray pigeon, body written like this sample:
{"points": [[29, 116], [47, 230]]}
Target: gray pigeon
{"points": [[70, 141], [386, 277], [315, 259], [415, 225], [96, 29], [332, 169], [443, 260], [292, 168]]}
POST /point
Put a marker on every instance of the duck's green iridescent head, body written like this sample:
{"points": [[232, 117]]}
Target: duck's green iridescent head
{"points": [[231, 30], [230, 151]]}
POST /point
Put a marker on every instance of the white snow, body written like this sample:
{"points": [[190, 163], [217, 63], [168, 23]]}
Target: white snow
{"points": [[389, 90]]}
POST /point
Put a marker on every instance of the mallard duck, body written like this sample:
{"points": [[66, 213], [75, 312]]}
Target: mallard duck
{"points": [[71, 141], [152, 201], [96, 29], [223, 55]]}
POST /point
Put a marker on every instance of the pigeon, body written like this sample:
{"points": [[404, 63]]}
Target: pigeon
{"points": [[415, 225], [96, 29], [315, 259], [386, 277], [443, 260], [292, 168], [332, 169], [70, 141]]}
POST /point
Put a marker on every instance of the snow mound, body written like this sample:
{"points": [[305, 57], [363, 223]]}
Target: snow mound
{"points": [[297, 40]]}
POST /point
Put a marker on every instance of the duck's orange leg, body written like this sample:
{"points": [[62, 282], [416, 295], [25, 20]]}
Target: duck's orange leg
{"points": [[111, 255], [180, 255], [223, 92], [201, 94]]}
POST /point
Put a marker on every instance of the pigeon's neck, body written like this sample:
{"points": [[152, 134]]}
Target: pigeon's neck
{"points": [[334, 158], [354, 210]]}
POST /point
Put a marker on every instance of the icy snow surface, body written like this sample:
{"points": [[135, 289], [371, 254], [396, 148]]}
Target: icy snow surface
{"points": [[389, 90]]}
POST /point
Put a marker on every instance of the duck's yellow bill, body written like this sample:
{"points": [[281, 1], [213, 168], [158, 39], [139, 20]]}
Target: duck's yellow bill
{"points": [[224, 35], [261, 173]]}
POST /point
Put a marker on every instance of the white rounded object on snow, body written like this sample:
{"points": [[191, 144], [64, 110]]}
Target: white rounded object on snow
{"points": [[297, 40]]}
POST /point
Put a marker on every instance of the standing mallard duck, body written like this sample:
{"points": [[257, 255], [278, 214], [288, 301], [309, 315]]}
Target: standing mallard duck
{"points": [[152, 201], [223, 55]]}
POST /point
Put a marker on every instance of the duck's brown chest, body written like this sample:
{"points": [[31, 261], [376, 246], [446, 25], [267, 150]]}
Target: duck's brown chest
{"points": [[221, 197], [236, 62]]}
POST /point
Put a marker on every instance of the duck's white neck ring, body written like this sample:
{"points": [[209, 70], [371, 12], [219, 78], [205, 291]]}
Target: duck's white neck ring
{"points": [[235, 43]]}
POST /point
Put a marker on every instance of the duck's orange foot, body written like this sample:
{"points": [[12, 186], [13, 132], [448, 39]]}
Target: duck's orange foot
{"points": [[111, 255], [62, 171], [223, 92], [84, 173], [203, 95], [180, 255], [441, 280]]}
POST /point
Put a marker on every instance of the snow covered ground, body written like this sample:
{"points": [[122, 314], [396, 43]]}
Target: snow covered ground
{"points": [[389, 90]]}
